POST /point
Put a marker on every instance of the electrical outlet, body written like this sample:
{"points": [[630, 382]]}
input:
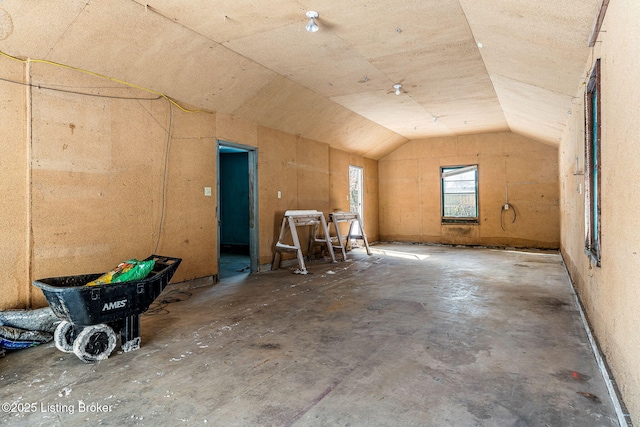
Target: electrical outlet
{"points": [[279, 194], [207, 191]]}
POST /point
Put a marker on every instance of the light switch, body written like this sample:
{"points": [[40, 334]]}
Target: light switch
{"points": [[207, 191]]}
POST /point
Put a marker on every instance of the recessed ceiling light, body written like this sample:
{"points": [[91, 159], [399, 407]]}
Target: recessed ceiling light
{"points": [[312, 27], [480, 45]]}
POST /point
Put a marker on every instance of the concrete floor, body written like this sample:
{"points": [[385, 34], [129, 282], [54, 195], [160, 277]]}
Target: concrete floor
{"points": [[410, 336], [231, 265]]}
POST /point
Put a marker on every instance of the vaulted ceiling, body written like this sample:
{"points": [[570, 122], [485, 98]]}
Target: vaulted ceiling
{"points": [[465, 66]]}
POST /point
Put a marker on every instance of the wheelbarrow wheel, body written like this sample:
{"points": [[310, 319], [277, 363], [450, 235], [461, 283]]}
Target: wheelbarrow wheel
{"points": [[64, 335], [94, 343]]}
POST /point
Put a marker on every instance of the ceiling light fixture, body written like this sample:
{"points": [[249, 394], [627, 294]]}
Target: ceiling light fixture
{"points": [[397, 87], [312, 27]]}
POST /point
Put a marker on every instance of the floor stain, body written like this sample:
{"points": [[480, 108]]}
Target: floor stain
{"points": [[479, 411], [552, 303], [267, 346], [568, 375]]}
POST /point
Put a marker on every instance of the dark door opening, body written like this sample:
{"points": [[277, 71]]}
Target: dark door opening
{"points": [[237, 234]]}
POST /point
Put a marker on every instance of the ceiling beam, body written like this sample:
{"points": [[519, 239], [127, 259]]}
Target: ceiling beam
{"points": [[598, 23]]}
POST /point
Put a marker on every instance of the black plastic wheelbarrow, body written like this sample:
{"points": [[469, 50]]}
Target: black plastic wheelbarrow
{"points": [[93, 315]]}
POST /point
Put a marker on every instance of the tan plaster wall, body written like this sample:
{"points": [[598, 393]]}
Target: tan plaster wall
{"points": [[371, 197], [309, 175], [101, 193], [277, 153], [97, 181], [527, 170], [190, 228], [14, 190], [299, 169], [339, 162], [610, 293]]}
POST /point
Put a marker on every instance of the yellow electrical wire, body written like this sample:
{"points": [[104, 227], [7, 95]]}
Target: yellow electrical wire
{"points": [[57, 64]]}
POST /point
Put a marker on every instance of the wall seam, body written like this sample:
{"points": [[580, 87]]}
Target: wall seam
{"points": [[29, 177]]}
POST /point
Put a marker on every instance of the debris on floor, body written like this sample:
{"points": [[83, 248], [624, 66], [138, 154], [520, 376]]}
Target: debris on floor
{"points": [[26, 328], [589, 395]]}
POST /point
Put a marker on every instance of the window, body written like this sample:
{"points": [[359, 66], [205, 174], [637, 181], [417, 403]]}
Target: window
{"points": [[592, 165], [356, 197], [459, 193]]}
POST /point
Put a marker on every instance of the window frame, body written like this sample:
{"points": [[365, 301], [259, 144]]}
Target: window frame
{"points": [[453, 219], [593, 166]]}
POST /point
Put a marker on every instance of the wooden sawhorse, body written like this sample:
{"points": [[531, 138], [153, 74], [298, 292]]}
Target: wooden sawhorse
{"points": [[336, 218], [297, 218]]}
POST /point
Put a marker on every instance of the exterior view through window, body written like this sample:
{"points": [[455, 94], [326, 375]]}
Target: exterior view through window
{"points": [[459, 193], [356, 196]]}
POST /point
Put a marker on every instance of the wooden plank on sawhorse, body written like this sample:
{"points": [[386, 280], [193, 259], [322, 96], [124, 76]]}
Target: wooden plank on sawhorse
{"points": [[336, 218], [298, 218]]}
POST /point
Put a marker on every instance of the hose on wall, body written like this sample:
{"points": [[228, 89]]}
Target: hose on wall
{"points": [[504, 208]]}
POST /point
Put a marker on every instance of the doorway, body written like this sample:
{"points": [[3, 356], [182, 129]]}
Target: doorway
{"points": [[356, 197], [237, 210]]}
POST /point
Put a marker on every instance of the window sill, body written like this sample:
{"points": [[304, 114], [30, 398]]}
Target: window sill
{"points": [[458, 221]]}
